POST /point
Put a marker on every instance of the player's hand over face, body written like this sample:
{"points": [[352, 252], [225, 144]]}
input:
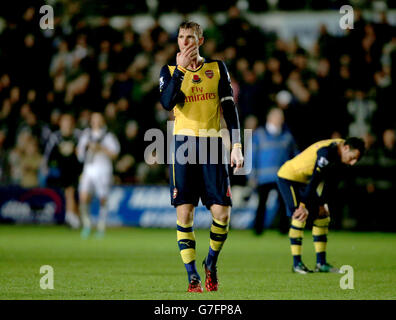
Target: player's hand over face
{"points": [[187, 55], [236, 159]]}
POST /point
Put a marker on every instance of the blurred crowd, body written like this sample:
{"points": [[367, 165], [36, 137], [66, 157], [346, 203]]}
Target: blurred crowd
{"points": [[342, 86]]}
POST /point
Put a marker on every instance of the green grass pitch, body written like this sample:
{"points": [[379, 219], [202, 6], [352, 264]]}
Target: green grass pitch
{"points": [[144, 264]]}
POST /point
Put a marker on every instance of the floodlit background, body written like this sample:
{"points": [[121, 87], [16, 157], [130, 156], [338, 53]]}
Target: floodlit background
{"points": [[106, 56]]}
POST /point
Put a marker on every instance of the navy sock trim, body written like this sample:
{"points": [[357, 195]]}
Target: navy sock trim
{"points": [[321, 257], [321, 238], [296, 260], [182, 229], [192, 270], [296, 241]]}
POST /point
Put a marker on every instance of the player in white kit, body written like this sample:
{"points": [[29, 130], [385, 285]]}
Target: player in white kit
{"points": [[97, 149]]}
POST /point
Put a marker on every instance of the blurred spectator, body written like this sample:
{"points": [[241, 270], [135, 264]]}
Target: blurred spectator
{"points": [[61, 167], [15, 156], [105, 32], [83, 119], [374, 183], [37, 128], [62, 60], [387, 158], [97, 149], [272, 145], [249, 95], [131, 154], [239, 32], [111, 117], [362, 110], [386, 176], [151, 171], [54, 120], [4, 174], [388, 152], [5, 112], [362, 198], [30, 162], [341, 86]]}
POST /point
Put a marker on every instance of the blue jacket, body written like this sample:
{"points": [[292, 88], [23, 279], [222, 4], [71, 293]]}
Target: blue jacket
{"points": [[269, 152]]}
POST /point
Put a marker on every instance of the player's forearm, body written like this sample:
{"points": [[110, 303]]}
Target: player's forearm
{"points": [[324, 197], [310, 191], [170, 93], [231, 118]]}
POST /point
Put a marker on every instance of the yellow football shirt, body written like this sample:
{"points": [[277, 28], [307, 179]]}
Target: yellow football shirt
{"points": [[301, 167], [198, 110]]}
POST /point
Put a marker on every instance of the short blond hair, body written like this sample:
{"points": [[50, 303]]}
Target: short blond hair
{"points": [[192, 25]]}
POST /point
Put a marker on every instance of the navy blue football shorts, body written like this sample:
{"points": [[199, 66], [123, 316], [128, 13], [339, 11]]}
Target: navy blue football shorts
{"points": [[198, 171], [292, 192]]}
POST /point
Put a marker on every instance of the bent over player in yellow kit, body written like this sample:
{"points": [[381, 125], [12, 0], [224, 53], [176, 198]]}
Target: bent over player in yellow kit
{"points": [[198, 90], [304, 184]]}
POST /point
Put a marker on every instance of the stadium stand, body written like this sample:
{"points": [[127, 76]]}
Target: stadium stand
{"points": [[342, 85]]}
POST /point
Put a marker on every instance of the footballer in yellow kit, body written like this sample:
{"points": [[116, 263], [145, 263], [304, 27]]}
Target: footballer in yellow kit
{"points": [[198, 91], [304, 184]]}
